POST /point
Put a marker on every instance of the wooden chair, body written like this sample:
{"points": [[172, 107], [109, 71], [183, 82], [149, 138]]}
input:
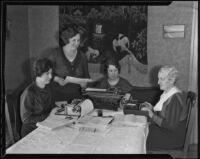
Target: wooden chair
{"points": [[182, 152], [12, 116]]}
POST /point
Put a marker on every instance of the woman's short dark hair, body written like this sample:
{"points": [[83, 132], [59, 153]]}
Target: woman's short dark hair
{"points": [[67, 33], [111, 61], [41, 66]]}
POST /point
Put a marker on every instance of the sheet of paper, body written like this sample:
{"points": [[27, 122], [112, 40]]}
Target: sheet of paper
{"points": [[129, 120], [95, 89], [106, 112], [86, 107], [93, 124], [55, 121], [77, 80]]}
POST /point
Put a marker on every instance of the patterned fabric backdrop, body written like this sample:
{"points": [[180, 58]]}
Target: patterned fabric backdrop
{"points": [[117, 31]]}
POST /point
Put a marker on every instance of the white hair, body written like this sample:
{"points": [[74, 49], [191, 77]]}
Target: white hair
{"points": [[171, 72]]}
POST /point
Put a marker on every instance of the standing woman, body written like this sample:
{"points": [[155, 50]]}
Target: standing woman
{"points": [[36, 101], [71, 67], [168, 117]]}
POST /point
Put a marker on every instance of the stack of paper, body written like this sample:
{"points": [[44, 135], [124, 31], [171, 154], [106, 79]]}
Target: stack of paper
{"points": [[93, 123], [55, 121], [51, 124]]}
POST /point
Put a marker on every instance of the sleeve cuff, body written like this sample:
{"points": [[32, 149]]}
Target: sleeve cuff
{"points": [[157, 119]]}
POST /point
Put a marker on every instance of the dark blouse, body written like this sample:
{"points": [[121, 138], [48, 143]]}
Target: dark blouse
{"points": [[123, 84], [63, 67], [172, 113], [35, 104]]}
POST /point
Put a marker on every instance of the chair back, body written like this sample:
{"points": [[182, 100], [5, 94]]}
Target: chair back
{"points": [[13, 112], [190, 102]]}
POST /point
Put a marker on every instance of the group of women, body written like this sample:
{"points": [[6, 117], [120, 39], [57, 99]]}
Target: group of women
{"points": [[64, 72]]}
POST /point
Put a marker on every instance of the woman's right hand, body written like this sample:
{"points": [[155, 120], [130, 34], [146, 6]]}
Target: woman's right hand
{"points": [[147, 105]]}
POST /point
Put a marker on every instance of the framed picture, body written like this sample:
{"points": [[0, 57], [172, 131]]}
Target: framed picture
{"points": [[173, 31]]}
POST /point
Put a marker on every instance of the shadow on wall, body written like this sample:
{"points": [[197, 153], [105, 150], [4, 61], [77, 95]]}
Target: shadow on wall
{"points": [[154, 75], [26, 73], [47, 51]]}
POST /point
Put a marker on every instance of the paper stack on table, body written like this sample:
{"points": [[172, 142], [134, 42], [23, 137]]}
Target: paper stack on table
{"points": [[55, 121], [52, 123], [93, 123]]}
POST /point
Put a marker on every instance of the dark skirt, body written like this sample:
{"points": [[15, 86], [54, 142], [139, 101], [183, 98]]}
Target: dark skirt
{"points": [[163, 139], [67, 92]]}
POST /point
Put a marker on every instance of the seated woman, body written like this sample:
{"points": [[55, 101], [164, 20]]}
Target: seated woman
{"points": [[70, 65], [113, 80], [36, 101], [168, 116]]}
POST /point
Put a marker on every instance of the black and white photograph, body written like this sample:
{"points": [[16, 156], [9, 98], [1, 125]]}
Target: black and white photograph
{"points": [[100, 79]]}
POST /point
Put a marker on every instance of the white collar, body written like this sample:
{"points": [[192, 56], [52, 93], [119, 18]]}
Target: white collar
{"points": [[164, 97]]}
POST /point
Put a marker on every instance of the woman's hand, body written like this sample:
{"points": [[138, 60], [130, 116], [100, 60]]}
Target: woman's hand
{"points": [[127, 96], [148, 105], [150, 112]]}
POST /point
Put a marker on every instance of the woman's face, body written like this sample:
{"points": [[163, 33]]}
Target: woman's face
{"points": [[164, 82], [46, 77], [74, 42], [112, 72]]}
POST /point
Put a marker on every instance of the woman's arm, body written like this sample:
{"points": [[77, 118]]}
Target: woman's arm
{"points": [[32, 110]]}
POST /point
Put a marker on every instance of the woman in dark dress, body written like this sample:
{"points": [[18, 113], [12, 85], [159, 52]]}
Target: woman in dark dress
{"points": [[36, 101], [113, 80], [168, 116], [71, 67]]}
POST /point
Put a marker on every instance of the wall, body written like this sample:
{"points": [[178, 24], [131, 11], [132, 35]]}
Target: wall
{"points": [[16, 49], [43, 30], [174, 52], [43, 27], [160, 51]]}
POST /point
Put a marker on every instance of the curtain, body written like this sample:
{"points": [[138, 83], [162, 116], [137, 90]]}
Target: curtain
{"points": [[193, 73]]}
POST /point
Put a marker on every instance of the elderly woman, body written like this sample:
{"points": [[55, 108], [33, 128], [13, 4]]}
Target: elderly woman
{"points": [[36, 101], [71, 67], [113, 80], [168, 116]]}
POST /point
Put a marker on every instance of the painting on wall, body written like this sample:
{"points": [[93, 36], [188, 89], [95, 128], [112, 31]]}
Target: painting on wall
{"points": [[110, 31]]}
